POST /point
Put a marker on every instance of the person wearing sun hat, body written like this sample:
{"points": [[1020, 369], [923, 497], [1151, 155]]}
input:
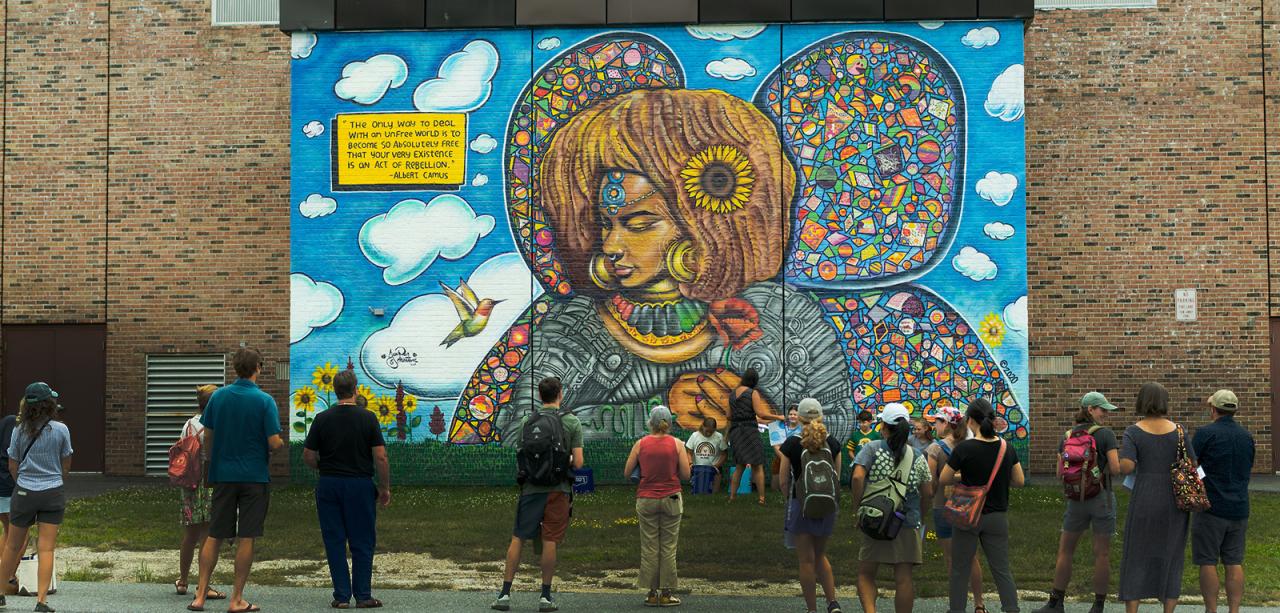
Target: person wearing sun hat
{"points": [[1098, 512], [949, 431], [1226, 453]]}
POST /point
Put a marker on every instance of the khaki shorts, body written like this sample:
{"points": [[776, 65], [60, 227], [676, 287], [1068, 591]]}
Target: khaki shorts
{"points": [[906, 549]]}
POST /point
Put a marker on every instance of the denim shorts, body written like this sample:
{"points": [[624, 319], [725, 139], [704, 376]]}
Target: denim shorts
{"points": [[940, 524]]}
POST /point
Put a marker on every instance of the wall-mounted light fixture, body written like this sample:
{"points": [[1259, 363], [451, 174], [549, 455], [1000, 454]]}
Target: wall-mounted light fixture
{"points": [[377, 311]]}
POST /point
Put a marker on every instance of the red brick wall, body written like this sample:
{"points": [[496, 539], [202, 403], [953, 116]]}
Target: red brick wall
{"points": [[1145, 174]]}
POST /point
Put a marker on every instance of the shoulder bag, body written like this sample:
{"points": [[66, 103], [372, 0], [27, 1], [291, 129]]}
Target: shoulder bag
{"points": [[1188, 489], [964, 507]]}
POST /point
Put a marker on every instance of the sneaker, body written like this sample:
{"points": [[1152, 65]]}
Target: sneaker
{"points": [[1051, 607], [651, 600], [503, 603], [834, 607], [1099, 607], [667, 600], [546, 605], [43, 608]]}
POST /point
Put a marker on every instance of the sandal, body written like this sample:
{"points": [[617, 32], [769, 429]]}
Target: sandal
{"points": [[372, 603], [338, 604], [249, 608], [212, 594], [980, 609], [194, 607], [180, 587], [760, 501]]}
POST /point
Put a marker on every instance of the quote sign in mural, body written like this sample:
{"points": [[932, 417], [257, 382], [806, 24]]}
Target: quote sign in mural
{"points": [[646, 214]]}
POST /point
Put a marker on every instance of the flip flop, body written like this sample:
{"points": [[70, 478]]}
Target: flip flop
{"points": [[248, 609], [193, 607], [338, 604]]}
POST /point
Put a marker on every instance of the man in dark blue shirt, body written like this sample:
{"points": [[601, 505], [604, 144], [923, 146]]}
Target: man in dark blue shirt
{"points": [[1225, 451]]}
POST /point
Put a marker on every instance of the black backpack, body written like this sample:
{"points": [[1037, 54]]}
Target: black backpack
{"points": [[543, 458]]}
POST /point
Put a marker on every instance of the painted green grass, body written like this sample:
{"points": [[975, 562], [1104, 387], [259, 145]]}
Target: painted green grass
{"points": [[719, 541]]}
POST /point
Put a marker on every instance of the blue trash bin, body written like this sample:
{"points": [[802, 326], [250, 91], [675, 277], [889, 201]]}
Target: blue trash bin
{"points": [[703, 479], [745, 486], [584, 481]]}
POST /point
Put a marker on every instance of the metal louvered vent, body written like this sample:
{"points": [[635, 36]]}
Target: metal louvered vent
{"points": [[1095, 4], [171, 399], [246, 12]]}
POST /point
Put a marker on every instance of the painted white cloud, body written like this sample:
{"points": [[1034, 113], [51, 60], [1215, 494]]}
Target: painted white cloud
{"points": [[1005, 100], [725, 33], [978, 38], [312, 305], [1015, 315], [998, 230], [480, 179], [422, 323], [313, 129], [368, 81], [463, 83], [301, 45], [549, 43], [484, 144], [998, 187], [317, 206], [974, 264], [406, 240], [931, 25], [731, 68]]}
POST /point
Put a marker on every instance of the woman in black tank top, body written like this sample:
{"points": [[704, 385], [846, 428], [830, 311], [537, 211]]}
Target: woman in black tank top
{"points": [[746, 409]]}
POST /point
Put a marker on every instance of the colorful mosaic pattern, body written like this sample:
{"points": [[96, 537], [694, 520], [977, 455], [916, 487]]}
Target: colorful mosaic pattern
{"points": [[873, 124], [596, 69], [493, 384], [906, 345]]}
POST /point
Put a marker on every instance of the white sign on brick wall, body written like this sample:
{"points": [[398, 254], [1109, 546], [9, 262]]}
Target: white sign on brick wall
{"points": [[1184, 304]]}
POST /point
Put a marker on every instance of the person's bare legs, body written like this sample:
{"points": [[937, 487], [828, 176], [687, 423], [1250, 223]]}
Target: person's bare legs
{"points": [[1131, 606], [1170, 604], [192, 538], [757, 477], [1101, 563], [15, 542], [822, 568], [805, 557], [867, 586], [1066, 551], [1209, 587], [244, 562], [513, 559], [4, 519], [548, 562], [208, 560], [46, 541], [736, 481], [1235, 586], [904, 595]]}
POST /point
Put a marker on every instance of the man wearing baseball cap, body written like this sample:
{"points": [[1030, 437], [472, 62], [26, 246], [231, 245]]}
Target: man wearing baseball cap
{"points": [[1225, 451]]}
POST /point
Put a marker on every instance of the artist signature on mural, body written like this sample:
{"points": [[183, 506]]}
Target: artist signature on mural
{"points": [[400, 356], [1008, 372]]}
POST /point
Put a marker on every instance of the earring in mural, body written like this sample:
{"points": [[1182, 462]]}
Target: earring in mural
{"points": [[718, 179], [600, 273], [680, 257]]}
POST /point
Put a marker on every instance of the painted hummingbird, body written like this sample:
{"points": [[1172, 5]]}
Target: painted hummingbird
{"points": [[472, 312]]}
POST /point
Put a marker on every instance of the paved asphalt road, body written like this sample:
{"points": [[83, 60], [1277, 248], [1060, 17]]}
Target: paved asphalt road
{"points": [[74, 597]]}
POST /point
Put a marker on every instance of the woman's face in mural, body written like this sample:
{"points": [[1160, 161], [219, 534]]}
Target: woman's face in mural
{"points": [[636, 227]]}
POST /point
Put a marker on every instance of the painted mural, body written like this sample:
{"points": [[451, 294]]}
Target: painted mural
{"points": [[648, 213]]}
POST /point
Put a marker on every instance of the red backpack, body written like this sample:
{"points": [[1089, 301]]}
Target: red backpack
{"points": [[1078, 468], [185, 466]]}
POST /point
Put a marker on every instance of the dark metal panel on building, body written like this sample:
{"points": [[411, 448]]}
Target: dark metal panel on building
{"points": [[72, 359], [652, 11], [471, 13], [380, 14], [854, 10], [306, 15], [930, 9], [1006, 9], [560, 12], [717, 11]]}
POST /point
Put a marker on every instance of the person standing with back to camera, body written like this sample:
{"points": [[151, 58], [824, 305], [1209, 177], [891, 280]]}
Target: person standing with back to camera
{"points": [[747, 409]]}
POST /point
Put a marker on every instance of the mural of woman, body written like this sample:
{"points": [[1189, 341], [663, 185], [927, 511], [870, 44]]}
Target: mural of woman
{"points": [[667, 207]]}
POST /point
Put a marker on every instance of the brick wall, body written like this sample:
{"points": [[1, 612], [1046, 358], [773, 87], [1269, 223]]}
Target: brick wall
{"points": [[1145, 172]]}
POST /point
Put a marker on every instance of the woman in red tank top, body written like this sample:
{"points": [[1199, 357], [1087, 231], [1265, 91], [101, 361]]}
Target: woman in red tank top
{"points": [[663, 465]]}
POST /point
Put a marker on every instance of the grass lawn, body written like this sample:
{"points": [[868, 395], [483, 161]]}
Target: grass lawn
{"points": [[741, 542]]}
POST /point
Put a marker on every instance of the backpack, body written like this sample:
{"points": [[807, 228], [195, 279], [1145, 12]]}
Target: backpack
{"points": [[1078, 469], [881, 514], [818, 489], [185, 465], [543, 458]]}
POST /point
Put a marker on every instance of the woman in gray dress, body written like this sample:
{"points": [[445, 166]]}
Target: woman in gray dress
{"points": [[1155, 531]]}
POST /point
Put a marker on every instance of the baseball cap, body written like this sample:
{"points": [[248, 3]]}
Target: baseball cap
{"points": [[949, 414], [39, 391], [894, 412], [809, 409], [1224, 400], [1096, 399], [659, 414]]}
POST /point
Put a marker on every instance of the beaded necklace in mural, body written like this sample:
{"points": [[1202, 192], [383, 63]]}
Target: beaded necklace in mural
{"points": [[659, 324]]}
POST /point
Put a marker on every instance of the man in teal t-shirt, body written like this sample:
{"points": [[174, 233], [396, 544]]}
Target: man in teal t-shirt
{"points": [[241, 430], [543, 511]]}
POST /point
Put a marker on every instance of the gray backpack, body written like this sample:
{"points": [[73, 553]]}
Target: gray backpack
{"points": [[818, 488]]}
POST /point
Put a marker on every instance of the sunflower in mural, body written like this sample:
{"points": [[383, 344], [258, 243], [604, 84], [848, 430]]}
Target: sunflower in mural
{"points": [[384, 408], [305, 399], [322, 377], [410, 403], [991, 330], [718, 179], [363, 391]]}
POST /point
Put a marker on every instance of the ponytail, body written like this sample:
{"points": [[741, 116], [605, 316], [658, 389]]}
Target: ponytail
{"points": [[980, 411], [896, 435], [813, 436]]}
